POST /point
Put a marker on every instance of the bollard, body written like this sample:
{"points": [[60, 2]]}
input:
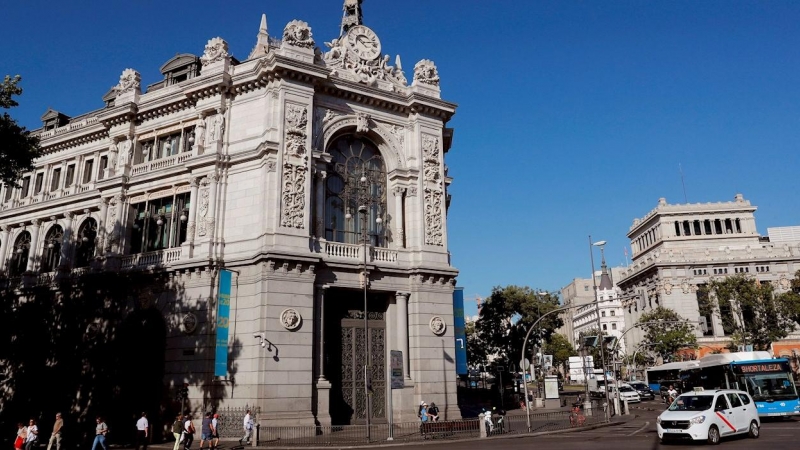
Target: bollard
{"points": [[625, 409], [482, 424]]}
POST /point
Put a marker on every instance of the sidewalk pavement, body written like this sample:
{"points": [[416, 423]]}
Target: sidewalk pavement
{"points": [[233, 444]]}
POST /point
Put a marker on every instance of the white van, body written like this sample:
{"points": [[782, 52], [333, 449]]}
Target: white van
{"points": [[709, 416]]}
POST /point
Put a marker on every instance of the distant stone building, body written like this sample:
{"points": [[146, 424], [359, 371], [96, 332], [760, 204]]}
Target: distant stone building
{"points": [[273, 166], [583, 317], [678, 247]]}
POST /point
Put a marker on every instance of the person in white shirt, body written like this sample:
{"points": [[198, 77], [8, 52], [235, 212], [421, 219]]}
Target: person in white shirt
{"points": [[142, 432], [188, 432], [33, 435], [215, 431], [247, 424]]}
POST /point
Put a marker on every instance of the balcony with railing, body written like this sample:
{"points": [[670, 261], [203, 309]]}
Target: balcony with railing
{"points": [[353, 252], [163, 163], [158, 258]]}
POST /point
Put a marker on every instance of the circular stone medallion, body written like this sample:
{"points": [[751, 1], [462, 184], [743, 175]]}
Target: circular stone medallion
{"points": [[290, 319], [437, 325], [189, 323]]}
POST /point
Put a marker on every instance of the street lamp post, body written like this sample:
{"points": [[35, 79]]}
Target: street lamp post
{"points": [[360, 193], [525, 343], [597, 310]]}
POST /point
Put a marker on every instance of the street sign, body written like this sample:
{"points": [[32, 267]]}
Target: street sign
{"points": [[396, 357]]}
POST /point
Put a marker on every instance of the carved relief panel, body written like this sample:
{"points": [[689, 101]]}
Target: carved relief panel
{"points": [[433, 190], [295, 157]]}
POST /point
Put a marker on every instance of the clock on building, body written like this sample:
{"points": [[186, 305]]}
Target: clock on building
{"points": [[364, 42]]}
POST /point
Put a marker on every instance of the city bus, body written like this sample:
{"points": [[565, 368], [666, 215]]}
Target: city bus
{"points": [[769, 381], [666, 374]]}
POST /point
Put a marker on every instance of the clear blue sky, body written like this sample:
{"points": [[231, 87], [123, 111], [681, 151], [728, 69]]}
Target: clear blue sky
{"points": [[573, 116]]}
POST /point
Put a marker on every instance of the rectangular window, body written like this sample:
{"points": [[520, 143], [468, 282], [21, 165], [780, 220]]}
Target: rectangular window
{"points": [[605, 327], [9, 190], [70, 175], [602, 314], [613, 313], [26, 186], [37, 187], [614, 325], [87, 171], [54, 183], [101, 170]]}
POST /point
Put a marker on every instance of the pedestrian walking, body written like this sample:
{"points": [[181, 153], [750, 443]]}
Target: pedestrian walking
{"points": [[247, 424], [205, 431], [22, 433], [177, 431], [215, 431], [142, 432], [56, 436], [100, 432], [188, 431], [32, 435]]}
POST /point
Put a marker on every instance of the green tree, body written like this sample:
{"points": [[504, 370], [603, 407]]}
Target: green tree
{"points": [[506, 316], [594, 350], [667, 331], [476, 349], [751, 312], [558, 346], [18, 148]]}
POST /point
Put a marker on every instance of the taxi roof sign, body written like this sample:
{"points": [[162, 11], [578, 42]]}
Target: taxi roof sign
{"points": [[699, 389]]}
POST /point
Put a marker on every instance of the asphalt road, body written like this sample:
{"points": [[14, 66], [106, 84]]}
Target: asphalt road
{"points": [[639, 433]]}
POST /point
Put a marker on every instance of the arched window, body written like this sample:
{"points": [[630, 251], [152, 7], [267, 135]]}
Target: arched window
{"points": [[19, 258], [356, 178], [87, 239], [51, 254]]}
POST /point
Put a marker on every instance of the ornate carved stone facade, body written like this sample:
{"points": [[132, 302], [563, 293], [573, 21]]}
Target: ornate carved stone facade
{"points": [[211, 167]]}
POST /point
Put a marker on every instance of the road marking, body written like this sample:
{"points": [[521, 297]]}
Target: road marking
{"points": [[646, 424], [726, 421]]}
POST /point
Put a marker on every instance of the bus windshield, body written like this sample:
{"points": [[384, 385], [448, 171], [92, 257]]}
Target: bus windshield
{"points": [[771, 386]]}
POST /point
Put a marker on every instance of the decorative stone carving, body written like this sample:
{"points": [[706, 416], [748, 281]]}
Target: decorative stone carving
{"points": [[668, 287], [216, 126], [784, 282], [113, 152], [202, 210], [129, 81], [433, 190], [298, 34], [437, 326], [291, 319], [112, 230], [216, 50], [125, 153], [200, 135], [188, 323], [425, 72], [362, 62], [294, 167], [362, 122], [271, 166]]}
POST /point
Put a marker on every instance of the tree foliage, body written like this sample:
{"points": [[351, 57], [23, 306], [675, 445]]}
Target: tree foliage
{"points": [[476, 349], [667, 332], [506, 316], [594, 351], [558, 346], [751, 312], [18, 148]]}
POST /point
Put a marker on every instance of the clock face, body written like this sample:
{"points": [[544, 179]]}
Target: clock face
{"points": [[364, 42]]}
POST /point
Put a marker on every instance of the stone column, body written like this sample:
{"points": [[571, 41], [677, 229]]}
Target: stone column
{"points": [[192, 208], [212, 204], [34, 244], [66, 243], [100, 240], [3, 246], [402, 330], [323, 385], [398, 216], [320, 191]]}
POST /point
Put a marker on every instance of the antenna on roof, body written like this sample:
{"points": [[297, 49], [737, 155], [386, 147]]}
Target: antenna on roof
{"points": [[683, 183]]}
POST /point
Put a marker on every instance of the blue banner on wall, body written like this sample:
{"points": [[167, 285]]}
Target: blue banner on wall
{"points": [[223, 319], [459, 331]]}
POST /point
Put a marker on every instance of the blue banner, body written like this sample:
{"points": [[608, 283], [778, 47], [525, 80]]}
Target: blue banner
{"points": [[459, 331], [223, 319]]}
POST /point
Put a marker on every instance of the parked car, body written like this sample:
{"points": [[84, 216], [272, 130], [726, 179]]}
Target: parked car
{"points": [[709, 416], [644, 390], [626, 393]]}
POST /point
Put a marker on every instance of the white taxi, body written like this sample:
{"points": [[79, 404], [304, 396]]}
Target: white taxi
{"points": [[709, 416], [627, 392]]}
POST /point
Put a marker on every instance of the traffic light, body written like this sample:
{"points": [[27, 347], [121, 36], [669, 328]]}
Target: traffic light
{"points": [[184, 392]]}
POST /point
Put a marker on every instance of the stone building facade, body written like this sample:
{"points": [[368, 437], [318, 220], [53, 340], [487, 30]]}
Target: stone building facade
{"points": [[274, 167], [678, 247]]}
